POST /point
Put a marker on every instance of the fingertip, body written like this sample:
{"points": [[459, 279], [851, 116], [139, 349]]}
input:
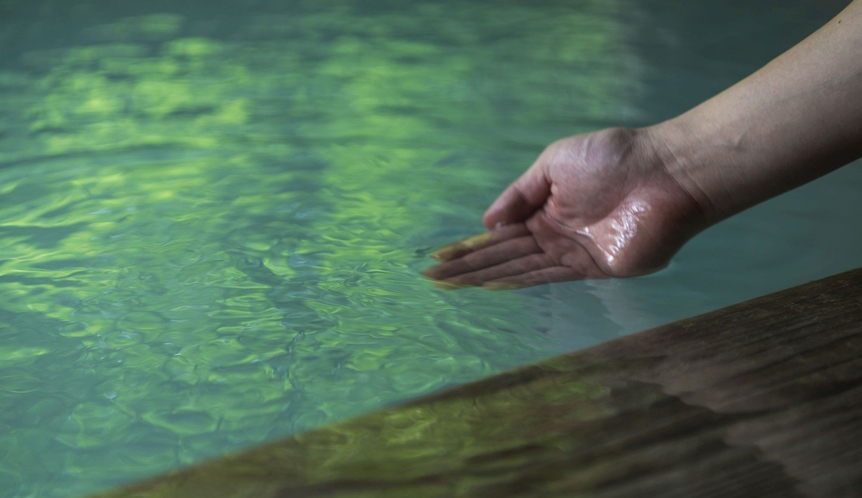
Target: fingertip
{"points": [[449, 286], [491, 217], [503, 211], [458, 249], [501, 286], [447, 253], [491, 220]]}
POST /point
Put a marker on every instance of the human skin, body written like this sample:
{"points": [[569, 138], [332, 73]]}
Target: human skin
{"points": [[621, 202]]}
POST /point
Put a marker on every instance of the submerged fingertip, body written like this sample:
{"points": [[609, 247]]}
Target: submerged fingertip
{"points": [[448, 286], [501, 286], [444, 254]]}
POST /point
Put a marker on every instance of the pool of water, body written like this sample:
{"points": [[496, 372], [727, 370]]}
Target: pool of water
{"points": [[214, 214]]}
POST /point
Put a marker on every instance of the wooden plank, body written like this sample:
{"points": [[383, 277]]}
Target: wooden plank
{"points": [[760, 399]]}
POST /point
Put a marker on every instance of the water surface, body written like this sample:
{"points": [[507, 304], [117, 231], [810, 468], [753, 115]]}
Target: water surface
{"points": [[214, 215]]}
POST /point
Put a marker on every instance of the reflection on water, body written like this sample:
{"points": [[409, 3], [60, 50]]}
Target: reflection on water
{"points": [[213, 227], [214, 216]]}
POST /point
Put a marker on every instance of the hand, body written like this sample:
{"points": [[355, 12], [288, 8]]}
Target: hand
{"points": [[620, 203], [592, 206]]}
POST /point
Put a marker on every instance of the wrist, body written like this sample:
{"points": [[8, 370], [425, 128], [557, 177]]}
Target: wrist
{"points": [[689, 158]]}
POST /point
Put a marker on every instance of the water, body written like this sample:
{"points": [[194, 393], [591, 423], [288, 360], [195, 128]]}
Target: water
{"points": [[214, 214]]}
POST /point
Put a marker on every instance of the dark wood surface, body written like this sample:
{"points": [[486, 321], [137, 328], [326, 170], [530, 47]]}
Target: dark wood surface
{"points": [[760, 399]]}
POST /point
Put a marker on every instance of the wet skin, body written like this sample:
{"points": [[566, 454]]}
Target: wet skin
{"points": [[592, 206], [620, 202]]}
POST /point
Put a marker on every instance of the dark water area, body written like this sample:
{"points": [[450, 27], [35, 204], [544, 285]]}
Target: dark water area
{"points": [[214, 215]]}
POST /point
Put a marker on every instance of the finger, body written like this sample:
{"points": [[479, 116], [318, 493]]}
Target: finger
{"points": [[447, 286], [537, 277], [476, 242], [484, 258], [514, 268], [521, 199]]}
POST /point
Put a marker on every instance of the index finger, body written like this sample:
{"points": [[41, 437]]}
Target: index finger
{"points": [[481, 241]]}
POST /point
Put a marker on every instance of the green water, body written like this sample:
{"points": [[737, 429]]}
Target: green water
{"points": [[213, 215]]}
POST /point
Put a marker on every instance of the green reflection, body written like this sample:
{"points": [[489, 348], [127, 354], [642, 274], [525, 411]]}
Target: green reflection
{"points": [[212, 236]]}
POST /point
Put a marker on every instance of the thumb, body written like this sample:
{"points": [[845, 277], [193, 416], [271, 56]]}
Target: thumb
{"points": [[521, 199]]}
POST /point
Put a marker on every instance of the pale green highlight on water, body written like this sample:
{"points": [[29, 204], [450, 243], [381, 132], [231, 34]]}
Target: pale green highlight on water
{"points": [[212, 241], [214, 217]]}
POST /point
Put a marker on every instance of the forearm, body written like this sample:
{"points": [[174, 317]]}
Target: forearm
{"points": [[796, 119]]}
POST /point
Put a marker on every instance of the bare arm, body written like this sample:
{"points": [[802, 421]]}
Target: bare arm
{"points": [[621, 202], [796, 119]]}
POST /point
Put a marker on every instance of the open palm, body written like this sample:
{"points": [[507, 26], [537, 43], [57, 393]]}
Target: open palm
{"points": [[592, 206]]}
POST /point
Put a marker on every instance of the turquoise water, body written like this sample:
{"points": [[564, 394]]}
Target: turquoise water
{"points": [[213, 215]]}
